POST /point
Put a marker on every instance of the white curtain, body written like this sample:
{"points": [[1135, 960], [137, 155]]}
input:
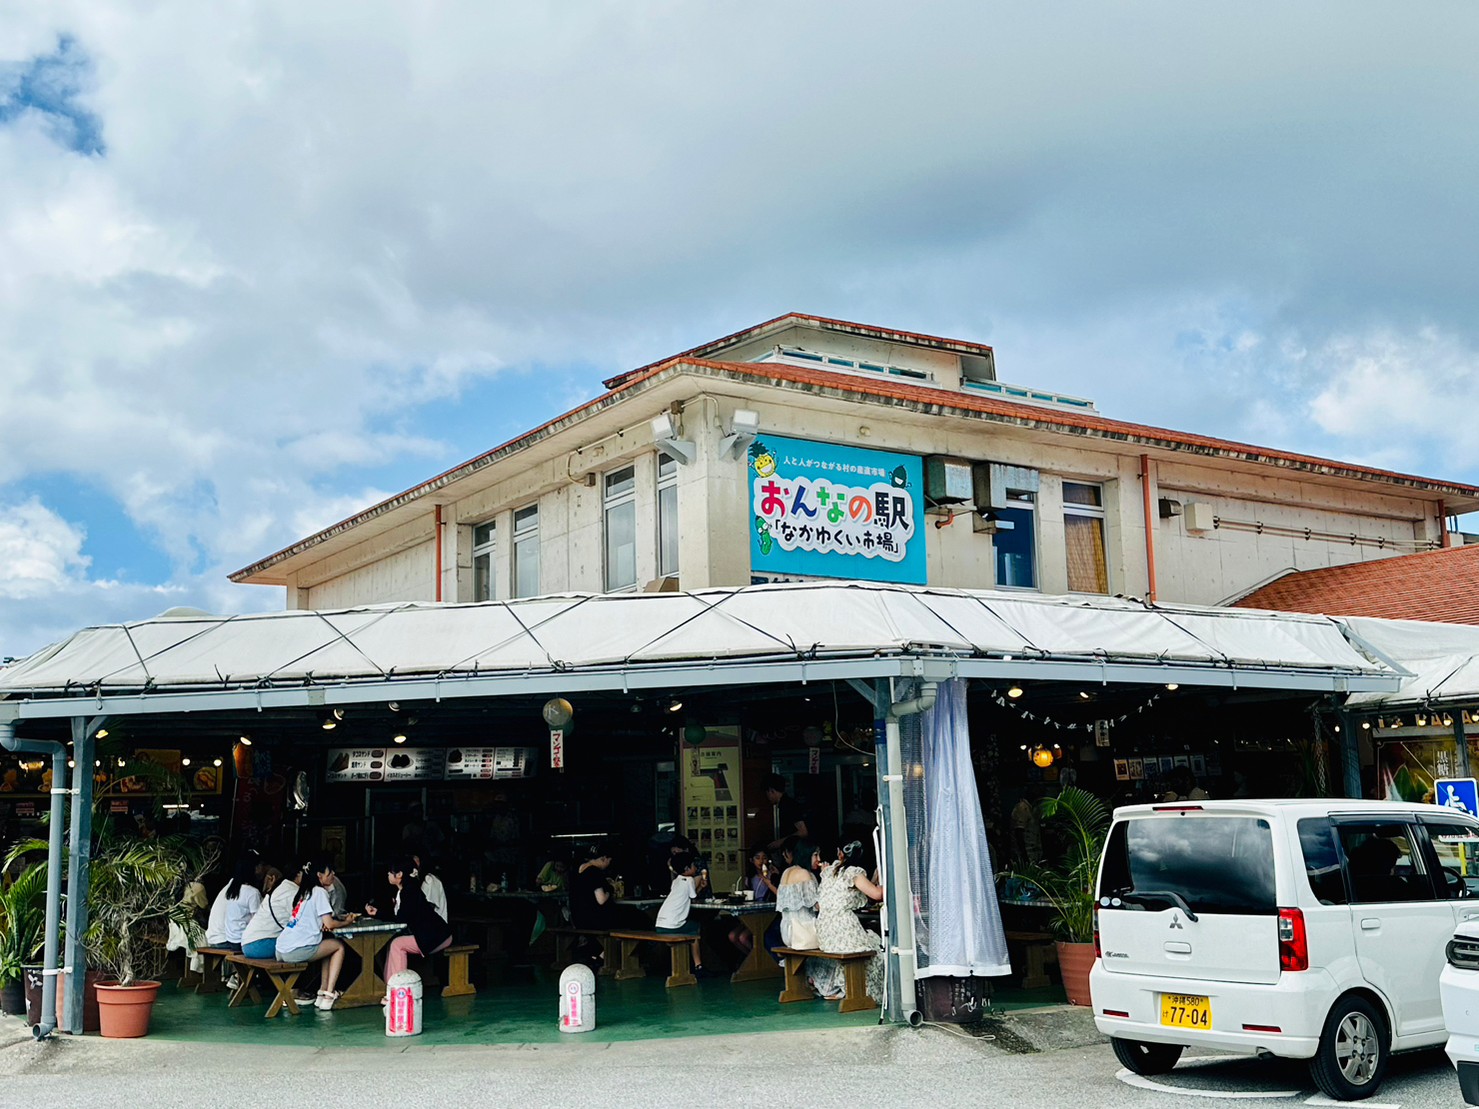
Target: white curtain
{"points": [[957, 923]]}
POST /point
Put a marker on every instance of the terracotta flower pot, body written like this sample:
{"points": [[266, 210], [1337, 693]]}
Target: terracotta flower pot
{"points": [[125, 1010], [33, 980], [1075, 960]]}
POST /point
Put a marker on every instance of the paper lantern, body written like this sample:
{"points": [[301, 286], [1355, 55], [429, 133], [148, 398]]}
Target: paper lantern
{"points": [[695, 734], [557, 712]]}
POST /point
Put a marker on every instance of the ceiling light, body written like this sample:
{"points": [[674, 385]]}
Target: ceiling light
{"points": [[399, 737], [1172, 687], [1422, 720], [329, 723], [394, 706], [1366, 725], [185, 761], [71, 762], [1085, 695], [216, 762], [122, 762], [1015, 692], [1447, 720], [675, 705], [246, 740], [102, 733]]}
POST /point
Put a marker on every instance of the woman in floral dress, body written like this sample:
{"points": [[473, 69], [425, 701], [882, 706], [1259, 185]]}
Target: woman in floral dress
{"points": [[846, 888]]}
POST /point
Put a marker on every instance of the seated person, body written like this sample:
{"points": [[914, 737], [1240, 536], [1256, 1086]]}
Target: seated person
{"points": [[305, 937], [552, 876], [259, 940], [1373, 874], [429, 932], [673, 916], [234, 906], [431, 885]]}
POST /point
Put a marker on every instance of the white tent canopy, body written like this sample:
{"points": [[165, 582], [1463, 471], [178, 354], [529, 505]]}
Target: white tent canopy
{"points": [[1442, 660], [765, 633]]}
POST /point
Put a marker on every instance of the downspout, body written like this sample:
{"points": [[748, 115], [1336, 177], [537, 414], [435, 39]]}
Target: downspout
{"points": [[1447, 536], [49, 963], [1150, 590], [900, 891], [439, 528]]}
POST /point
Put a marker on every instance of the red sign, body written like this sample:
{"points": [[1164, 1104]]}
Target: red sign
{"points": [[557, 748]]}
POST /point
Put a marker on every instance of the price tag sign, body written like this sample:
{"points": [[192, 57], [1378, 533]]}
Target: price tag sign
{"points": [[557, 748], [814, 761]]}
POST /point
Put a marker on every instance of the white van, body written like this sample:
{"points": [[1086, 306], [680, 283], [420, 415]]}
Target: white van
{"points": [[1311, 929]]}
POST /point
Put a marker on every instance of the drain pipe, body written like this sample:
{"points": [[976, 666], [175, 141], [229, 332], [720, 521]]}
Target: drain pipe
{"points": [[49, 962], [902, 922]]}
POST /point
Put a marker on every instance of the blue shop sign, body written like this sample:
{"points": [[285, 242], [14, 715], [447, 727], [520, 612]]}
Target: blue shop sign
{"points": [[823, 510]]}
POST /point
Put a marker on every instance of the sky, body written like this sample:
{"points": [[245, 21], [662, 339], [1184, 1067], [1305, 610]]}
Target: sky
{"points": [[265, 263]]}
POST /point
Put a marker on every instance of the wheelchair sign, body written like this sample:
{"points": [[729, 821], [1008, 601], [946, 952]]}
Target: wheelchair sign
{"points": [[1459, 794]]}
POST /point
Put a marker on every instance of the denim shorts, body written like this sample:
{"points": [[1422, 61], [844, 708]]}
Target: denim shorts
{"points": [[301, 955], [260, 949]]}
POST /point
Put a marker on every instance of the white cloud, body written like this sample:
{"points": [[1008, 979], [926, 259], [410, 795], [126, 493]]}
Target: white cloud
{"points": [[315, 224]]}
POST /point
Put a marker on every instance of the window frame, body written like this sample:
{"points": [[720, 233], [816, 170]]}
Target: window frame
{"points": [[1092, 512], [486, 550], [1416, 836], [1428, 822], [667, 479], [610, 502], [519, 538], [1020, 501]]}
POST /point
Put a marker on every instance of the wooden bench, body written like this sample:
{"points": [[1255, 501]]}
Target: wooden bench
{"points": [[458, 984], [854, 977], [210, 973], [283, 976], [566, 938], [1038, 951], [679, 947]]}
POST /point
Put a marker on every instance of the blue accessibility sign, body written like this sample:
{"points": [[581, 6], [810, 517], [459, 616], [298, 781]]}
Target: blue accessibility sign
{"points": [[1459, 794]]}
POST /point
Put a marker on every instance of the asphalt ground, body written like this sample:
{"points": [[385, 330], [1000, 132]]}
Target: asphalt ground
{"points": [[1048, 1058]]}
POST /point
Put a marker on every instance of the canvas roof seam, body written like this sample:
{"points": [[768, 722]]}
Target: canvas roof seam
{"points": [[785, 641], [707, 610], [1216, 651]]}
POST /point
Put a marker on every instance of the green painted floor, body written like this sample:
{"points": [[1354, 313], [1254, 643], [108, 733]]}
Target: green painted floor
{"points": [[525, 1013]]}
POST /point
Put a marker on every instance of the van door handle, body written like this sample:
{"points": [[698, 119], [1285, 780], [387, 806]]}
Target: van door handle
{"points": [[1471, 916], [1370, 924], [1174, 947]]}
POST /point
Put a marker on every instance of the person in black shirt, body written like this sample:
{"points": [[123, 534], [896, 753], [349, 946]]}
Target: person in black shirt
{"points": [[591, 900], [792, 823]]}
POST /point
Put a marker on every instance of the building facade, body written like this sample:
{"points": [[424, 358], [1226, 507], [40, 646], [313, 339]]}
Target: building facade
{"points": [[807, 447]]}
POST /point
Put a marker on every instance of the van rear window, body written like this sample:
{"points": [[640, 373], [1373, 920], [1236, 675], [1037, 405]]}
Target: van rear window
{"points": [[1209, 864]]}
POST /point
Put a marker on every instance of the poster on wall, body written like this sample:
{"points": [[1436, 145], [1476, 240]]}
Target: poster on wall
{"points": [[712, 804], [427, 764], [824, 510], [1408, 768]]}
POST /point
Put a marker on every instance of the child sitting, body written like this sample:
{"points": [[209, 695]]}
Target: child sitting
{"points": [[688, 883]]}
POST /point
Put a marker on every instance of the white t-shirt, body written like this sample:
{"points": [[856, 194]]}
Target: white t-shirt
{"points": [[230, 915], [431, 886], [305, 927], [674, 911], [276, 910]]}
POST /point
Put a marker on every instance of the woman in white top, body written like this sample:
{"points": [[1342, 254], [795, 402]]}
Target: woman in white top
{"points": [[234, 906], [304, 937], [259, 941]]}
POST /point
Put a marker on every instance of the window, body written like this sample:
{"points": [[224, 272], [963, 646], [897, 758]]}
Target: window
{"points": [[1016, 543], [1083, 537], [1381, 863], [1322, 860], [667, 516], [1204, 863], [621, 528], [526, 552], [484, 543], [1456, 848]]}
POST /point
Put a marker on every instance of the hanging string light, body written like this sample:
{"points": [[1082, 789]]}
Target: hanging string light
{"points": [[1065, 725]]}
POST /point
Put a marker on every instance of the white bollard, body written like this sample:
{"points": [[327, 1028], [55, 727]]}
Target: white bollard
{"points": [[577, 999], [403, 1014]]}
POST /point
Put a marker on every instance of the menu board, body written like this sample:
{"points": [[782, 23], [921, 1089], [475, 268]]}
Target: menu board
{"points": [[488, 762], [423, 764], [712, 808]]}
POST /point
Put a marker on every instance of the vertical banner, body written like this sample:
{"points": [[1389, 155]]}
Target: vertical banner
{"points": [[824, 510], [557, 748]]}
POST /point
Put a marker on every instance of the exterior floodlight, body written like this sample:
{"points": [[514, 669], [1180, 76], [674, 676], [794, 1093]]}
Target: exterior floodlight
{"points": [[665, 438], [744, 425]]}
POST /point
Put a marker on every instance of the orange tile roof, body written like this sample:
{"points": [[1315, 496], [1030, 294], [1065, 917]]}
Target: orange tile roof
{"points": [[1441, 586]]}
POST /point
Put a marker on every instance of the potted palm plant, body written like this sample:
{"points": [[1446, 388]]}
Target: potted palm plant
{"points": [[135, 889], [1077, 822], [22, 921]]}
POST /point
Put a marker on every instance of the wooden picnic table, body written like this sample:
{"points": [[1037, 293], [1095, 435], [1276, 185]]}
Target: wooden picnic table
{"points": [[757, 917], [366, 938]]}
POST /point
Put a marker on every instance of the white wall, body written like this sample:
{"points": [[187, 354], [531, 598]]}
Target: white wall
{"points": [[408, 575]]}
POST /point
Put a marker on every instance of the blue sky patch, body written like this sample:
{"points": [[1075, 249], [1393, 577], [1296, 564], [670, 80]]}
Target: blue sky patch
{"points": [[50, 86]]}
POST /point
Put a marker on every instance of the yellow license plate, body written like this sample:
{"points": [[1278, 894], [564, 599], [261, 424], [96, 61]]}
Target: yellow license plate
{"points": [[1181, 1010]]}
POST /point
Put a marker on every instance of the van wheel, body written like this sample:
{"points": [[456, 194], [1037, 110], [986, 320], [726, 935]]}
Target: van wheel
{"points": [[1143, 1058], [1352, 1058]]}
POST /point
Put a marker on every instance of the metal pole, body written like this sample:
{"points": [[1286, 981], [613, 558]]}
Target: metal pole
{"points": [[894, 895], [83, 748], [58, 752], [1350, 754]]}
